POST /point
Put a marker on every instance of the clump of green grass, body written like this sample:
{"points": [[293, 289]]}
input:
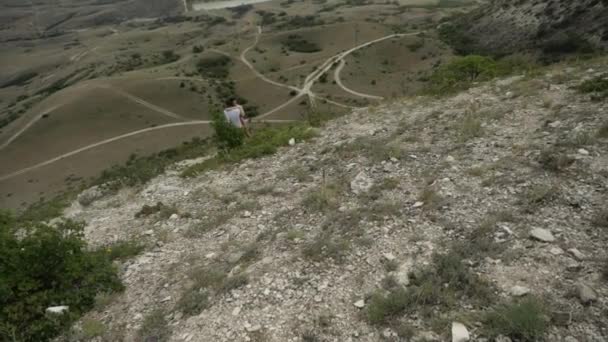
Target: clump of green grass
{"points": [[325, 197], [193, 301], [597, 87], [210, 223], [382, 308], [264, 142], [92, 328], [123, 250], [538, 195], [377, 150], [602, 132], [208, 282], [325, 246], [600, 219], [480, 242], [470, 127], [522, 320], [155, 327], [431, 198], [552, 159], [165, 211], [445, 283]]}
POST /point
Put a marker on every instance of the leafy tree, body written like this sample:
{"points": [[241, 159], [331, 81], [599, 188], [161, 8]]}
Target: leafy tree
{"points": [[43, 266]]}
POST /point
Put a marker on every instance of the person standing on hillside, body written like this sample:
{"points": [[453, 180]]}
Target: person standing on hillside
{"points": [[235, 114]]}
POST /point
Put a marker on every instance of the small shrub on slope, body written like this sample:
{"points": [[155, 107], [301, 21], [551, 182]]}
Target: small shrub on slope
{"points": [[264, 142], [597, 86], [227, 136], [43, 266], [522, 320]]}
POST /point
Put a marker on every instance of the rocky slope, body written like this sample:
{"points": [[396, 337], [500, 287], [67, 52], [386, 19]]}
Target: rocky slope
{"points": [[553, 27], [289, 247]]}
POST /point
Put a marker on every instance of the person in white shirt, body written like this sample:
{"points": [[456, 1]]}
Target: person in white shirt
{"points": [[235, 114]]}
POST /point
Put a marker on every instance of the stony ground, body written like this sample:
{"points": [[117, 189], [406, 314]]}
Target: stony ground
{"points": [[300, 240]]}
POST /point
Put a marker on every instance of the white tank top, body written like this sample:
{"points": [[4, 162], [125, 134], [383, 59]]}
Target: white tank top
{"points": [[233, 115]]}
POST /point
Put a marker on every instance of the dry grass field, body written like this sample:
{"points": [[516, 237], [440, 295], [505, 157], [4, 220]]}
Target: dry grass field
{"points": [[77, 74]]}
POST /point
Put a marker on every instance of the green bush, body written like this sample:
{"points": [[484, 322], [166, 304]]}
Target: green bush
{"points": [[522, 320], [597, 86], [264, 142], [461, 72], [227, 136], [382, 308], [43, 266]]}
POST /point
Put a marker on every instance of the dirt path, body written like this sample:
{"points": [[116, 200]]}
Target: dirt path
{"points": [[306, 90], [348, 90]]}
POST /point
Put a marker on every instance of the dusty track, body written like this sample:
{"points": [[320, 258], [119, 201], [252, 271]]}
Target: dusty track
{"points": [[306, 90]]}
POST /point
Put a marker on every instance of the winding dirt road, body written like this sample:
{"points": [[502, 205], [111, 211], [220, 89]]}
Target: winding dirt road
{"points": [[306, 90]]}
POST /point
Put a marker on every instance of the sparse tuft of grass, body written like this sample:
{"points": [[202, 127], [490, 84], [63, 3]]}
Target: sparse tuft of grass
{"points": [[597, 87], [443, 285], [92, 328], [325, 246], [523, 320], [208, 282], [600, 219], [431, 198], [310, 336], [209, 224], [164, 210], [391, 265], [382, 308], [538, 195], [469, 127], [552, 159], [602, 132], [377, 150], [154, 327], [123, 250], [324, 197], [193, 301]]}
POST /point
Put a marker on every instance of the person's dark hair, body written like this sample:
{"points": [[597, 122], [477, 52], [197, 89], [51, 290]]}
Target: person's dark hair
{"points": [[230, 102]]}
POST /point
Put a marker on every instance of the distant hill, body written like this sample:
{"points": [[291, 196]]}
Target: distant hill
{"points": [[551, 28]]}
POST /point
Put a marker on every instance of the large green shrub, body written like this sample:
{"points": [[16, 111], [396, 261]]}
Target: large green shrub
{"points": [[462, 71], [43, 266], [227, 136]]}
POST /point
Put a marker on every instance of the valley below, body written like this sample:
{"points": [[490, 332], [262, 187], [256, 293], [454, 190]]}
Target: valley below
{"points": [[86, 85]]}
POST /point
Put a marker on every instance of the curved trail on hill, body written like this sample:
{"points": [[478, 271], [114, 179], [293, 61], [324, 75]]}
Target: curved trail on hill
{"points": [[110, 140], [341, 85], [306, 90]]}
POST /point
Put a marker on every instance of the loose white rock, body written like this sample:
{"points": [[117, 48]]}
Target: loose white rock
{"points": [[459, 332], [585, 293], [389, 256], [541, 234], [578, 255], [361, 183], [57, 309], [292, 142], [519, 291], [360, 304]]}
